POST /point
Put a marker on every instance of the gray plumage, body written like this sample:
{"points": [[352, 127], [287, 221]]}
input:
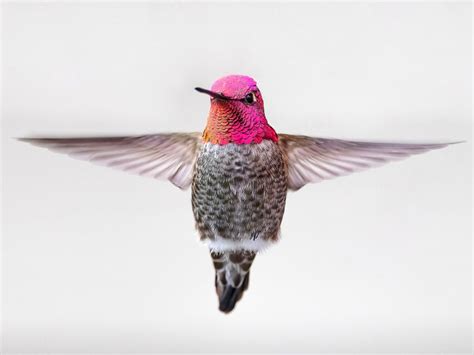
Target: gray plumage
{"points": [[238, 199], [239, 191]]}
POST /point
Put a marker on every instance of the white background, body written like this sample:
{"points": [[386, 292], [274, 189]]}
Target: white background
{"points": [[96, 260]]}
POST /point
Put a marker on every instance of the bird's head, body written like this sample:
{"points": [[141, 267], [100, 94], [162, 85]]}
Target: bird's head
{"points": [[236, 114]]}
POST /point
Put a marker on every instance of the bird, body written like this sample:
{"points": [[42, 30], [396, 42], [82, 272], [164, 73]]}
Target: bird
{"points": [[239, 170]]}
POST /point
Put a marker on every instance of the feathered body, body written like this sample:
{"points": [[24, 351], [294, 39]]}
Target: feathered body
{"points": [[238, 199], [238, 194], [240, 171]]}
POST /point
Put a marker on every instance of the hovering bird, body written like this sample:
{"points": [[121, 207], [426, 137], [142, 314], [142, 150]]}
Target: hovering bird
{"points": [[239, 169]]}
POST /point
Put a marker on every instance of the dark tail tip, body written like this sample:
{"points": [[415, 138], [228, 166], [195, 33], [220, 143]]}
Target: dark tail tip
{"points": [[229, 299], [231, 295]]}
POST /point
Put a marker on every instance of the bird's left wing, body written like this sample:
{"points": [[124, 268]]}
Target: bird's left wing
{"points": [[312, 159], [161, 156]]}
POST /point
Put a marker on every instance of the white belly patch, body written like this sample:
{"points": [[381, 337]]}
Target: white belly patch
{"points": [[220, 244]]}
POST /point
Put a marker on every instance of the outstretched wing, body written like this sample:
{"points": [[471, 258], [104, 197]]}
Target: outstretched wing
{"points": [[312, 159], [160, 156]]}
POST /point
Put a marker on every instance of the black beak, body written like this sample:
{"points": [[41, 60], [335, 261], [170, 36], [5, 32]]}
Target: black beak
{"points": [[213, 94]]}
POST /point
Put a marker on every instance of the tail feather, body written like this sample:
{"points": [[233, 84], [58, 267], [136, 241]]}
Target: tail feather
{"points": [[232, 276]]}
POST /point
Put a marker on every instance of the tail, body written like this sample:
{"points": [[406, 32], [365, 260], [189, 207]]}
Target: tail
{"points": [[232, 276]]}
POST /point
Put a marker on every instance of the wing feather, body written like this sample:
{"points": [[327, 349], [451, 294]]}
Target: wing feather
{"points": [[312, 159], [160, 156]]}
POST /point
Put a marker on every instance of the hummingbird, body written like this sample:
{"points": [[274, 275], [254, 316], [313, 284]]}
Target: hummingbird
{"points": [[239, 170]]}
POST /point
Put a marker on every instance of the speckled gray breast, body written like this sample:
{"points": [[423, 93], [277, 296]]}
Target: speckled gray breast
{"points": [[239, 192]]}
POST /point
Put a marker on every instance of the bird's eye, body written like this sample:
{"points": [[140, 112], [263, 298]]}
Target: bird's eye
{"points": [[250, 98]]}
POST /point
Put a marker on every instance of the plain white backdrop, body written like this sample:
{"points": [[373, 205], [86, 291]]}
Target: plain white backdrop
{"points": [[96, 260]]}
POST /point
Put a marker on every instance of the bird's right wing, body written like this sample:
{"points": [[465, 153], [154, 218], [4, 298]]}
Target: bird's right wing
{"points": [[161, 156]]}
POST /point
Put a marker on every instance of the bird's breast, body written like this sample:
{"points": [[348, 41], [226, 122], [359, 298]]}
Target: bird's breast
{"points": [[239, 193]]}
